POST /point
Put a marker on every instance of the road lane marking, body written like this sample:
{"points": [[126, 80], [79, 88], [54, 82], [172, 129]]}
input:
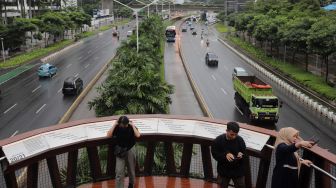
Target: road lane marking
{"points": [[86, 66], [40, 108], [80, 57], [59, 90], [76, 75], [239, 110], [10, 108], [69, 65], [38, 87], [213, 77], [224, 91], [15, 133]]}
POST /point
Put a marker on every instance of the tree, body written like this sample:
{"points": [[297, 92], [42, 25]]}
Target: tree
{"points": [[134, 85], [294, 35], [53, 24], [123, 12], [322, 40]]}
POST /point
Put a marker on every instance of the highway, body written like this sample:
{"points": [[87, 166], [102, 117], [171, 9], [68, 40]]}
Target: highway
{"points": [[215, 84], [29, 103]]}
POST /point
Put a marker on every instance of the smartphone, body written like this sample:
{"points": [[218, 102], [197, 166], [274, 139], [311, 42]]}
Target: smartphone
{"points": [[314, 139]]}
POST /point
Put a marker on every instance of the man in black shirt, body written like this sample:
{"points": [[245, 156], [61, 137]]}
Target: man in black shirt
{"points": [[228, 150], [124, 132]]}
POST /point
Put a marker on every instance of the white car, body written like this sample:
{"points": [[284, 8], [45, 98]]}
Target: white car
{"points": [[129, 33], [239, 71]]}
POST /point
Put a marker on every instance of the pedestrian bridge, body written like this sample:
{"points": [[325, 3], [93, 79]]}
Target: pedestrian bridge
{"points": [[173, 151]]}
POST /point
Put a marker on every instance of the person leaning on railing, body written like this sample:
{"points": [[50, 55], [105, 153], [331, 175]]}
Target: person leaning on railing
{"points": [[287, 167], [229, 150], [124, 132]]}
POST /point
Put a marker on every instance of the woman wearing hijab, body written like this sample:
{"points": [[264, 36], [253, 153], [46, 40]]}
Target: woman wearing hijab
{"points": [[287, 167]]}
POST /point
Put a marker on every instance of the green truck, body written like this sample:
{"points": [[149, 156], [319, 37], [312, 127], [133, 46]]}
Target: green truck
{"points": [[255, 99]]}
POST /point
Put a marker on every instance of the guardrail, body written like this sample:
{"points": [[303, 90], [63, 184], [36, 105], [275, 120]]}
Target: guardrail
{"points": [[306, 96], [61, 152]]}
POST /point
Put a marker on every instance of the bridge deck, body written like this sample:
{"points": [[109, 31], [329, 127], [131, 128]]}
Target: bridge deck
{"points": [[157, 182]]}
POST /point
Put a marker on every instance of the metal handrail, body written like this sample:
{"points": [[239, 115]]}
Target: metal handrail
{"points": [[312, 165]]}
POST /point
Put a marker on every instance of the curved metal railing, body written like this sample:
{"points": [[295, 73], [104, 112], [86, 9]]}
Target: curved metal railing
{"points": [[69, 154]]}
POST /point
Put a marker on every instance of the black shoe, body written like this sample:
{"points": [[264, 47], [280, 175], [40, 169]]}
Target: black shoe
{"points": [[130, 185]]}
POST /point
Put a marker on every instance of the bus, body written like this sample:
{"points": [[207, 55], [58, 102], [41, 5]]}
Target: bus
{"points": [[170, 33]]}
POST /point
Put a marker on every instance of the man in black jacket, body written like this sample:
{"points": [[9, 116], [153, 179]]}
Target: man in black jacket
{"points": [[228, 150]]}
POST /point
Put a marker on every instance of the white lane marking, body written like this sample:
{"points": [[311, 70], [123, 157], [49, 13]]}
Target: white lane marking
{"points": [[224, 91], [15, 133], [86, 66], [68, 65], [59, 90], [76, 75], [10, 108], [38, 87], [80, 57], [213, 77], [40, 108], [89, 51], [239, 110]]}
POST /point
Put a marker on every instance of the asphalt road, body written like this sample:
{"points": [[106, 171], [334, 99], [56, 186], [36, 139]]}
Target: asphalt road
{"points": [[28, 102], [215, 84]]}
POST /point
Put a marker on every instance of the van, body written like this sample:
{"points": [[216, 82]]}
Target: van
{"points": [[72, 86], [129, 33]]}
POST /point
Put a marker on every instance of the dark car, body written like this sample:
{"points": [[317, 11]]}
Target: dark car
{"points": [[211, 59], [184, 29], [72, 86], [194, 32]]}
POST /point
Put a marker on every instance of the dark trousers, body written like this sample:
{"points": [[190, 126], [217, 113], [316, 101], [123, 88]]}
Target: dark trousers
{"points": [[238, 182]]}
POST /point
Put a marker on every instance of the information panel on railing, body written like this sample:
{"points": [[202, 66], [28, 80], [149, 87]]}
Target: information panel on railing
{"points": [[29, 147]]}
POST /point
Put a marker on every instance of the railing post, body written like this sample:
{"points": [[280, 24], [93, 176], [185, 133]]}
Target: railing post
{"points": [[9, 176], [72, 168], [305, 172], [94, 163], [32, 174], [149, 159], [186, 159], [11, 180], [264, 165], [170, 161], [206, 159], [54, 172], [248, 179], [111, 161], [321, 180]]}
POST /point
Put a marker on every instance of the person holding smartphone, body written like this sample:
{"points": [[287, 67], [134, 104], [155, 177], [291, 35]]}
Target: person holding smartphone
{"points": [[124, 132], [229, 149], [288, 163]]}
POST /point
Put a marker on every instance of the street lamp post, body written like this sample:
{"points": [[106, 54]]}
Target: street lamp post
{"points": [[147, 7], [136, 16], [3, 51]]}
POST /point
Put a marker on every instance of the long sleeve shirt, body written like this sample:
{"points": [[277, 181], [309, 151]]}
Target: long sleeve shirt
{"points": [[222, 146], [285, 173]]}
